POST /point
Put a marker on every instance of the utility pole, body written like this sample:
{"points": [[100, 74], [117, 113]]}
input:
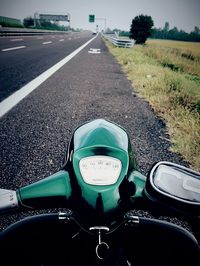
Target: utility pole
{"points": [[93, 19], [104, 19], [68, 19]]}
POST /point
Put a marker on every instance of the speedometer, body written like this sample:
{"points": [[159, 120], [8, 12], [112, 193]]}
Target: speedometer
{"points": [[100, 170]]}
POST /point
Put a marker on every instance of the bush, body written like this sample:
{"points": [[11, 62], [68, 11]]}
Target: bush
{"points": [[141, 28]]}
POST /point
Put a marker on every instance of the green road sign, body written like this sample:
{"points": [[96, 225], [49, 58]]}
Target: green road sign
{"points": [[91, 18]]}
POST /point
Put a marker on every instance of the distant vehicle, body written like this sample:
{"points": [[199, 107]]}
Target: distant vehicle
{"points": [[94, 32]]}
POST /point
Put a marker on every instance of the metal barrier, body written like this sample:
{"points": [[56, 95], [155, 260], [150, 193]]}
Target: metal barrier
{"points": [[119, 42], [6, 31]]}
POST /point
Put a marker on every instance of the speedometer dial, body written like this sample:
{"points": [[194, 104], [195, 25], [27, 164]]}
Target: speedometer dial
{"points": [[100, 170]]}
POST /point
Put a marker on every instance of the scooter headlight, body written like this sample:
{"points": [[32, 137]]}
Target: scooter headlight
{"points": [[100, 170]]}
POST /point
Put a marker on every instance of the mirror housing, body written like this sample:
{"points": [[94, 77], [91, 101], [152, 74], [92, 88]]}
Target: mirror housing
{"points": [[175, 186]]}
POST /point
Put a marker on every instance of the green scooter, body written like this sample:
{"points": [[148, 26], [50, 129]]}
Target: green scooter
{"points": [[100, 210]]}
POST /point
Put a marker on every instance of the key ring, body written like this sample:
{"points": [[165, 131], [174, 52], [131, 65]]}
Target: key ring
{"points": [[102, 247]]}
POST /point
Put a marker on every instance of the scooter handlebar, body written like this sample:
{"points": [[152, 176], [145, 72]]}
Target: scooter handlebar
{"points": [[52, 191]]}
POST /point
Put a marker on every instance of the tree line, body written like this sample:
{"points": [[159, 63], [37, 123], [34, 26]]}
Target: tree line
{"points": [[175, 34], [142, 28]]}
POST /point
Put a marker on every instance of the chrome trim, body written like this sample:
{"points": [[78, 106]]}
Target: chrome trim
{"points": [[97, 251], [8, 199], [62, 216], [105, 228], [134, 219]]}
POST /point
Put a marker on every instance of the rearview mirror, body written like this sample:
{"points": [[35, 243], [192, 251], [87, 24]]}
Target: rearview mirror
{"points": [[174, 184]]}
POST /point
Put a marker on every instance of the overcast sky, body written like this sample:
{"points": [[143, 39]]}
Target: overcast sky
{"points": [[184, 14]]}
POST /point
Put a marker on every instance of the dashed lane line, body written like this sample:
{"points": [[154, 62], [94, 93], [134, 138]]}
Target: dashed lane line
{"points": [[13, 48], [47, 42], [16, 97], [16, 40]]}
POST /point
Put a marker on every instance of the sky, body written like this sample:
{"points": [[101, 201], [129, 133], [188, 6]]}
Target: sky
{"points": [[183, 14]]}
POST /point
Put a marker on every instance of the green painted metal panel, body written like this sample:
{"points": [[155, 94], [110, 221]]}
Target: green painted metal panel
{"points": [[53, 189], [139, 180], [106, 135], [101, 138]]}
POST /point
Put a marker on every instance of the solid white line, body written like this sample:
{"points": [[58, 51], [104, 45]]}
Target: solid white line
{"points": [[16, 97], [61, 40], [13, 48], [47, 42]]}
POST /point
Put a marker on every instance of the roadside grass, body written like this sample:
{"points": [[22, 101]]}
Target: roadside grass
{"points": [[191, 47], [176, 55], [170, 82]]}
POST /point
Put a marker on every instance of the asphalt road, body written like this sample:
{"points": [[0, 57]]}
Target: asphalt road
{"points": [[32, 55], [34, 134]]}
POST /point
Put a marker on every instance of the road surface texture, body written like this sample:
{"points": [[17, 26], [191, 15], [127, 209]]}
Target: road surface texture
{"points": [[34, 134], [32, 56]]}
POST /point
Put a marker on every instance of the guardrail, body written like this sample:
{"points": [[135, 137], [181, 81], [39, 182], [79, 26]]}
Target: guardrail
{"points": [[119, 42], [5, 31]]}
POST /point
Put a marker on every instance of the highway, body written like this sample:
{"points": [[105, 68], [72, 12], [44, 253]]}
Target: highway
{"points": [[22, 58], [34, 133]]}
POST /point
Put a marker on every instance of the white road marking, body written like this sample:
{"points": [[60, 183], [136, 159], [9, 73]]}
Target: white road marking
{"points": [[47, 42], [61, 40], [39, 38], [16, 97], [15, 40], [94, 51], [13, 48]]}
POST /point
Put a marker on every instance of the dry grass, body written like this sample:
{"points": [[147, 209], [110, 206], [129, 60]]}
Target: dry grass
{"points": [[191, 47], [173, 93], [179, 56]]}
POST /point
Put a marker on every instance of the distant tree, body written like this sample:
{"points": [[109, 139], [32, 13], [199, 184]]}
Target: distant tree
{"points": [[141, 28], [166, 27], [124, 33], [28, 22], [115, 29], [175, 34], [108, 30], [196, 30], [195, 34]]}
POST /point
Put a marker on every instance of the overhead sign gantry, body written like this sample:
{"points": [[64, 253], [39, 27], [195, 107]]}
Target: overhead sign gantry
{"points": [[52, 17]]}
